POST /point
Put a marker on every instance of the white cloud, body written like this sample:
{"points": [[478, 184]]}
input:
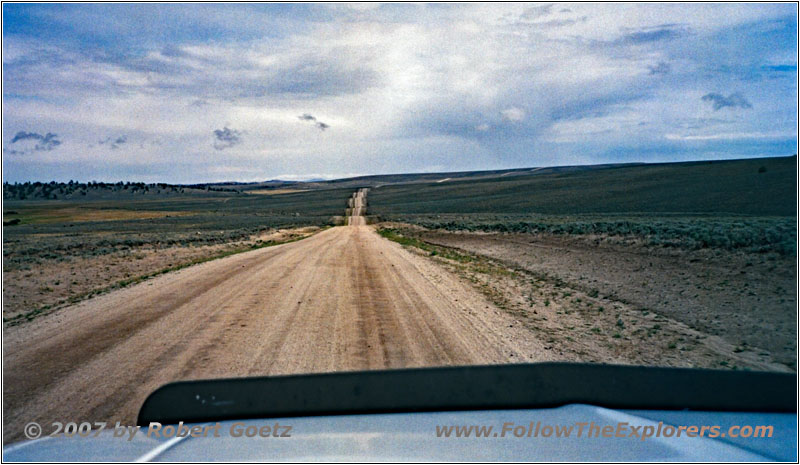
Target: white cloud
{"points": [[513, 114], [731, 136], [398, 83]]}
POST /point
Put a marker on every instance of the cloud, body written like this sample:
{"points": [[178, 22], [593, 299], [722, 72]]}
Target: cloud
{"points": [[22, 135], [536, 12], [660, 68], [543, 18], [719, 101], [311, 118], [732, 136], [411, 87], [210, 71], [226, 138], [114, 143], [513, 114], [781, 68], [654, 34], [45, 142]]}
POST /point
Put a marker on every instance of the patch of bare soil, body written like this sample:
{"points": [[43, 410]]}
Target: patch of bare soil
{"points": [[595, 300], [55, 282]]}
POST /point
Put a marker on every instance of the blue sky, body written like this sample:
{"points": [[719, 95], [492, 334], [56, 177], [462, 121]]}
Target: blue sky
{"points": [[211, 92]]}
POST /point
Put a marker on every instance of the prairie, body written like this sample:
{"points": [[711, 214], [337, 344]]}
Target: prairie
{"points": [[708, 247], [60, 251]]}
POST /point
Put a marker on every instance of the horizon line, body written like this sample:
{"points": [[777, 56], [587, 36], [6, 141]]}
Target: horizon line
{"points": [[316, 178]]}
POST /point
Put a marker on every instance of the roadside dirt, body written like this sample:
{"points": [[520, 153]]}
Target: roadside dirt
{"points": [[53, 282], [343, 299], [742, 303]]}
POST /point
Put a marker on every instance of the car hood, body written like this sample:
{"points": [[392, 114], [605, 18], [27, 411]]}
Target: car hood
{"points": [[413, 437]]}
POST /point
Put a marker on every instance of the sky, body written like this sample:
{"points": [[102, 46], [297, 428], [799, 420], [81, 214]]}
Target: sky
{"points": [[188, 93]]}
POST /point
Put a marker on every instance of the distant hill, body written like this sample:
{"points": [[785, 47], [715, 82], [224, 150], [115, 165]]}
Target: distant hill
{"points": [[763, 186], [443, 177]]}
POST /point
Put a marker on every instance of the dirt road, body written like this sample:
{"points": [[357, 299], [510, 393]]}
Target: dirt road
{"points": [[357, 208], [344, 299]]}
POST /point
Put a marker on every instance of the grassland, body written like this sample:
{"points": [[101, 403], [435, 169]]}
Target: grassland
{"points": [[586, 314], [56, 251], [751, 234], [686, 258], [55, 229], [761, 187], [741, 204]]}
